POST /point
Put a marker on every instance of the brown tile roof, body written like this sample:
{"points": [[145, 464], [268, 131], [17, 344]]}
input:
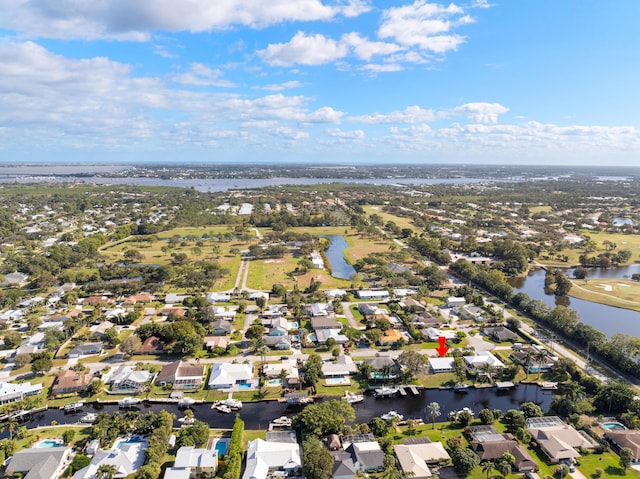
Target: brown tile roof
{"points": [[152, 345], [71, 380], [180, 369]]}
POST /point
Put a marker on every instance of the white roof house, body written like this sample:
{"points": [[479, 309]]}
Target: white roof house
{"points": [[225, 375], [125, 456], [127, 378], [323, 334], [455, 302], [483, 357], [264, 457], [434, 333], [372, 294], [192, 462], [343, 366], [442, 365], [275, 369], [413, 458], [11, 392]]}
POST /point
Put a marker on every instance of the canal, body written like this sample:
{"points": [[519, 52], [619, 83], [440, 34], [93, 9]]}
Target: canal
{"points": [[335, 254]]}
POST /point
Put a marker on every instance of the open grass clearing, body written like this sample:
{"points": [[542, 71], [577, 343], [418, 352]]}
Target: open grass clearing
{"points": [[620, 293], [386, 217]]}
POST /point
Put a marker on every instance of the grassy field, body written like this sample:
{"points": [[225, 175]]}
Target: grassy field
{"points": [[386, 217], [622, 241], [620, 293]]}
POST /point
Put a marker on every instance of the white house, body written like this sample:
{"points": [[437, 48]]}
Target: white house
{"points": [[317, 260], [11, 392], [264, 457], [126, 456], [476, 361], [127, 379], [455, 302], [381, 295], [442, 365], [193, 462], [273, 370], [434, 333], [226, 375], [342, 367]]}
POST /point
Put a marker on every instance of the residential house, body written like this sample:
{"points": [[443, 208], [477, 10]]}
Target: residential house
{"points": [[480, 358], [32, 344], [325, 322], [442, 365], [425, 320], [322, 335], [126, 457], [365, 452], [39, 463], [12, 392], [15, 278], [128, 380], [69, 382], [316, 259], [433, 334], [95, 301], [139, 298], [218, 298], [489, 445], [265, 457], [343, 367], [279, 342], [628, 438], [85, 349], [379, 295], [413, 305], [390, 337], [173, 298], [319, 309], [535, 359], [289, 366], [226, 375], [221, 327], [176, 311], [334, 293], [414, 458], [556, 439], [500, 333], [220, 312], [192, 463], [181, 375], [99, 330], [212, 342], [152, 345], [472, 313], [456, 302], [343, 466]]}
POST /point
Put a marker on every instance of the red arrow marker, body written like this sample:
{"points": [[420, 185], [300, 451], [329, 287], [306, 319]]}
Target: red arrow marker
{"points": [[442, 350]]}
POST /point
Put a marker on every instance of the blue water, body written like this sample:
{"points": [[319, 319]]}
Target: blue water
{"points": [[131, 440], [221, 447], [335, 254], [293, 325], [244, 386], [49, 443], [336, 381], [609, 426]]}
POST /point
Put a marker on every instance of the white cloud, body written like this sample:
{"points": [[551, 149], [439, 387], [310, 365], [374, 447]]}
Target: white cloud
{"points": [[346, 135], [424, 25], [135, 20], [281, 86], [199, 74], [383, 68], [325, 114], [366, 49], [304, 50], [481, 112], [411, 114]]}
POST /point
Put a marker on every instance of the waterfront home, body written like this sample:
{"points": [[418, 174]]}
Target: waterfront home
{"points": [[85, 349], [128, 380], [343, 466], [415, 458], [343, 367], [556, 439], [535, 359], [480, 358], [265, 457], [316, 259], [126, 456], [39, 463], [181, 375], [226, 375], [191, 463], [442, 365], [12, 392], [490, 445], [274, 370], [69, 382]]}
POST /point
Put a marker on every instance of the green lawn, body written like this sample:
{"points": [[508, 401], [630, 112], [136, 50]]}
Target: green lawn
{"points": [[608, 462]]}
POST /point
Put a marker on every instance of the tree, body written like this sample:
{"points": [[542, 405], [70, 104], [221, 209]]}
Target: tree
{"points": [[464, 418], [68, 435], [413, 361], [486, 416], [21, 360], [379, 427], [106, 471], [626, 457], [12, 339], [325, 418], [464, 461], [111, 336], [433, 411], [41, 365], [487, 467], [530, 409], [254, 331], [313, 369], [317, 461], [504, 467], [131, 345], [33, 323], [95, 387]]}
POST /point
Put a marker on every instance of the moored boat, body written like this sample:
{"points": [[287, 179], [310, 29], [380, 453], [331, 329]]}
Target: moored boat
{"points": [[129, 402]]}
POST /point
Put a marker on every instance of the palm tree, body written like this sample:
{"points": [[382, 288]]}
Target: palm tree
{"points": [[391, 469], [488, 370], [573, 391], [488, 467], [365, 370], [386, 371], [504, 468], [433, 411], [106, 471], [527, 359], [540, 356]]}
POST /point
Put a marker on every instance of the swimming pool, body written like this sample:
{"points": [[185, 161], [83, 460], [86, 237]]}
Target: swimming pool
{"points": [[49, 443], [611, 426], [245, 386], [221, 446], [293, 325], [274, 382], [129, 440], [337, 381]]}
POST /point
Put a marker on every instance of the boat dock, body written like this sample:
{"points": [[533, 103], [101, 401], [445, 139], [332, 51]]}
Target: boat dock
{"points": [[390, 391], [505, 385]]}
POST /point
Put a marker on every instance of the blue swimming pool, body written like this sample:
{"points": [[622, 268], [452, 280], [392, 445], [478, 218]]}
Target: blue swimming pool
{"points": [[49, 443], [221, 447], [244, 386], [293, 325], [613, 426], [337, 381], [130, 440], [274, 383]]}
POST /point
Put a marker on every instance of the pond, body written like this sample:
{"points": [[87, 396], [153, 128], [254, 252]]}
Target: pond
{"points": [[335, 254]]}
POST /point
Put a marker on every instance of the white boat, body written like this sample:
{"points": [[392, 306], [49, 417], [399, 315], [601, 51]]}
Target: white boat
{"points": [[187, 421], [282, 421], [129, 402], [461, 388], [73, 406], [89, 418], [186, 402], [353, 398], [223, 408], [385, 392], [232, 403], [392, 415], [549, 386]]}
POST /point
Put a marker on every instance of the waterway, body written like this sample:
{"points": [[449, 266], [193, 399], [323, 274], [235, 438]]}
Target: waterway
{"points": [[608, 319], [257, 415], [335, 254]]}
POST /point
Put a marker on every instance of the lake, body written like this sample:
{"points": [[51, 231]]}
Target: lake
{"points": [[335, 254], [605, 318]]}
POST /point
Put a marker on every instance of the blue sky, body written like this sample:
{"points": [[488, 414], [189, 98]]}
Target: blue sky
{"points": [[340, 81]]}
